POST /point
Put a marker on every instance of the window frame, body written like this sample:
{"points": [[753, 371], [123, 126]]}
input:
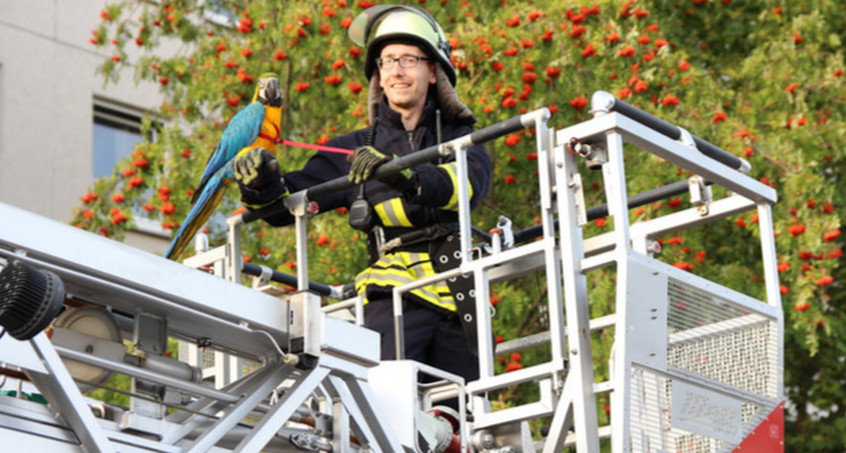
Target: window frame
{"points": [[122, 117]]}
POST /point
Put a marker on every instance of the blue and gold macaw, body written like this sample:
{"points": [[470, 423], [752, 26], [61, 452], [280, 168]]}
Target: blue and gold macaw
{"points": [[256, 125]]}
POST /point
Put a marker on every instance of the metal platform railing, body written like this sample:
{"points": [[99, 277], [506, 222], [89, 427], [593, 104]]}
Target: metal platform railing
{"points": [[695, 366]]}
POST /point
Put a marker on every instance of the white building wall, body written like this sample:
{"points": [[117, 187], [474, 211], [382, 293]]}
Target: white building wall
{"points": [[48, 84]]}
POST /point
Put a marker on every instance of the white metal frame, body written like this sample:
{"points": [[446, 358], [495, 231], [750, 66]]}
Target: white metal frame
{"points": [[247, 324], [626, 248], [201, 308]]}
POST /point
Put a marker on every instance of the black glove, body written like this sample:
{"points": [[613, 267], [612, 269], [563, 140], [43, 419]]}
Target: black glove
{"points": [[367, 159], [257, 173], [364, 162], [256, 169]]}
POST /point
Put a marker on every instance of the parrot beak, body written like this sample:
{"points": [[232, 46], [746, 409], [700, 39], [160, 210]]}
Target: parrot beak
{"points": [[269, 92]]}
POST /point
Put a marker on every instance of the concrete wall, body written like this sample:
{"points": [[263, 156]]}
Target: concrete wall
{"points": [[48, 84]]}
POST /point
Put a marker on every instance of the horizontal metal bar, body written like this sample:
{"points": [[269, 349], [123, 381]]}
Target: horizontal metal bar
{"points": [[604, 432], [516, 414], [602, 102], [677, 373], [420, 157], [643, 198], [190, 387], [677, 221], [109, 273], [289, 279], [22, 431], [23, 411], [528, 374], [542, 338], [604, 386], [698, 164], [726, 327], [668, 149], [178, 316]]}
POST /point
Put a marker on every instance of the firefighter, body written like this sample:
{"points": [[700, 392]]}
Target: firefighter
{"points": [[412, 105]]}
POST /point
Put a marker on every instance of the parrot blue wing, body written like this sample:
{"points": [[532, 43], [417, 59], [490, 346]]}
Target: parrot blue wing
{"points": [[242, 131], [202, 209]]}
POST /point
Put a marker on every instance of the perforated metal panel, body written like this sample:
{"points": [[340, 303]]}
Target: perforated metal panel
{"points": [[715, 339], [673, 414], [720, 381]]}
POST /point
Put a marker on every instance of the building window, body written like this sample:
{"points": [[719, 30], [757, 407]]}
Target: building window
{"points": [[220, 13], [116, 132]]}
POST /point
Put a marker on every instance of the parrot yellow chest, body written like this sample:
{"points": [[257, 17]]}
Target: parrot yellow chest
{"points": [[269, 133]]}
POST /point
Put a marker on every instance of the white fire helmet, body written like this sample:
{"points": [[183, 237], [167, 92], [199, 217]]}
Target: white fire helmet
{"points": [[380, 25]]}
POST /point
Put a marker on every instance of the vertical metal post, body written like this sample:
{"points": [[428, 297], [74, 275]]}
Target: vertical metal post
{"points": [[768, 254], [359, 311], [302, 251], [149, 335], [233, 249], [771, 281], [340, 426], [552, 256], [221, 369], [399, 326], [463, 203], [483, 322], [576, 304], [235, 368], [614, 178]]}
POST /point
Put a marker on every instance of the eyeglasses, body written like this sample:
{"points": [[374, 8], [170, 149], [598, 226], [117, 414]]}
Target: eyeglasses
{"points": [[405, 61]]}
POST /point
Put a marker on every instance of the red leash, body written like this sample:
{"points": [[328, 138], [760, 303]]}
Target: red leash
{"points": [[330, 149]]}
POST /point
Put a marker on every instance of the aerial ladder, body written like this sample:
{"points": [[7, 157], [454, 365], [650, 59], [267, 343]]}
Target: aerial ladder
{"points": [[696, 367]]}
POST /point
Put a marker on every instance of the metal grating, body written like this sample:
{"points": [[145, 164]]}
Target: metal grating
{"points": [[721, 341], [715, 428], [721, 378], [208, 358]]}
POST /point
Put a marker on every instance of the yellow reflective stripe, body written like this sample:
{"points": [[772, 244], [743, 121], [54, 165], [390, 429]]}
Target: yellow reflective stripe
{"points": [[399, 210], [413, 258], [392, 213], [399, 268], [426, 269], [452, 204], [440, 301], [451, 169], [380, 211], [392, 278], [434, 294]]}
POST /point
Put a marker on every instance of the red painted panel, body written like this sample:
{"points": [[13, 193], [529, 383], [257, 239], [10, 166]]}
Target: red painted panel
{"points": [[768, 437]]}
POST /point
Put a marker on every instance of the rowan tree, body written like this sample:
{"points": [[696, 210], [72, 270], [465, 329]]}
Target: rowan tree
{"points": [[761, 79]]}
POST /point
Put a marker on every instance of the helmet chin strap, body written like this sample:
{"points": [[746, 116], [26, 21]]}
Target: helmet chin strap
{"points": [[374, 97]]}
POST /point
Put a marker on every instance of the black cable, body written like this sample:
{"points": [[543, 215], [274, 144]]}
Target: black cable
{"points": [[494, 208], [286, 279]]}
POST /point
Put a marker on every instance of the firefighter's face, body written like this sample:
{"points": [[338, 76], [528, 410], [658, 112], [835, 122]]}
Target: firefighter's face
{"points": [[406, 87]]}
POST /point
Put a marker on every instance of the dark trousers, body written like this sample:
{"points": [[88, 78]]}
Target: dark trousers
{"points": [[431, 337]]}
